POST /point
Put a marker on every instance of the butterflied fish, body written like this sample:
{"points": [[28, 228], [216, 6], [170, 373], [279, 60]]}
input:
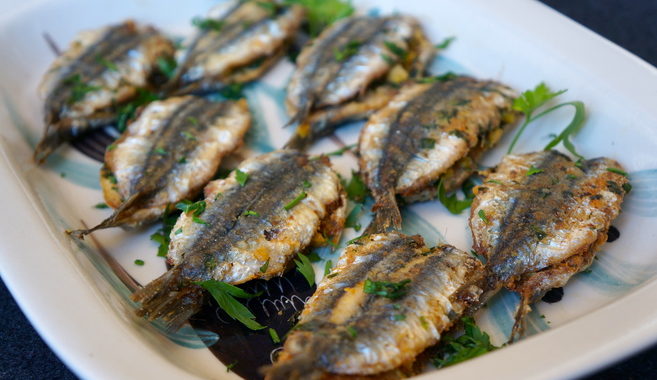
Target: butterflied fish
{"points": [[388, 299], [427, 133], [88, 83], [167, 155], [540, 218], [237, 43], [250, 225], [351, 70]]}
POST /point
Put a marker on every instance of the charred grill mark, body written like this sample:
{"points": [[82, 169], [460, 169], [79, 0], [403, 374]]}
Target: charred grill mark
{"points": [[527, 217]]}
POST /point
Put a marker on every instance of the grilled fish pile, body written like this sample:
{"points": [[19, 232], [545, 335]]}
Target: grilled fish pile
{"points": [[540, 218], [341, 75], [388, 299], [427, 133], [167, 155], [268, 210], [101, 70], [237, 44]]}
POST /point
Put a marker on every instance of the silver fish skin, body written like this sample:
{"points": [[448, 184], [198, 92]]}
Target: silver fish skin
{"points": [[343, 330], [101, 69], [167, 155], [343, 64], [427, 133], [539, 218], [248, 38], [287, 204]]}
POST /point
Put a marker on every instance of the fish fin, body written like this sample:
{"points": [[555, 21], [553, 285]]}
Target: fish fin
{"points": [[115, 220], [301, 367], [386, 215], [48, 144], [169, 299], [300, 143], [523, 310]]}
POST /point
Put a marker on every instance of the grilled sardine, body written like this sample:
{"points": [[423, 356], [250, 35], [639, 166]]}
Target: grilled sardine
{"points": [[345, 64], [237, 44], [539, 218], [272, 207], [388, 299], [167, 155], [427, 133], [87, 84]]}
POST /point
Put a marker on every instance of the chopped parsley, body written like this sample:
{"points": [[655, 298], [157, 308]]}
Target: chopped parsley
{"points": [[427, 143], [340, 151], [618, 171], [139, 262], [271, 8], [230, 366], [101, 205], [399, 317], [305, 268], [482, 215], [167, 66], [352, 218], [225, 295], [314, 257], [295, 201], [111, 66], [198, 220], [389, 60], [353, 333], [264, 267], [327, 267], [110, 147], [347, 50], [274, 336], [392, 290], [471, 344], [241, 177], [306, 184], [193, 208], [207, 24], [356, 188], [532, 170], [322, 13], [452, 203], [424, 323], [438, 78], [445, 43], [614, 187], [178, 231], [627, 187], [251, 212], [161, 236], [127, 111], [79, 89], [396, 49], [161, 151]]}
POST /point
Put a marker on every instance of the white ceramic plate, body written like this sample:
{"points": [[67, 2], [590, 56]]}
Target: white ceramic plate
{"points": [[79, 305]]}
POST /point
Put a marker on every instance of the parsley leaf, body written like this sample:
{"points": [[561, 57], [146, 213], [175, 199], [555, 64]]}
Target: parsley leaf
{"points": [[166, 65], [445, 43], [438, 78], [327, 267], [127, 111], [482, 216], [241, 177], [352, 218], [264, 267], [274, 336], [346, 51], [618, 171], [207, 24], [161, 236], [395, 49], [194, 208], [427, 143], [101, 205], [322, 13], [111, 66], [232, 91], [305, 268], [225, 295], [251, 212], [471, 344], [531, 100], [392, 290], [452, 203], [139, 262], [79, 89], [295, 201], [356, 188], [532, 170]]}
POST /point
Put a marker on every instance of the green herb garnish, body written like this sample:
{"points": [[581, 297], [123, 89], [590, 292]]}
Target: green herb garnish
{"points": [[79, 89], [193, 208], [111, 66], [471, 344], [327, 267], [225, 295], [389, 60], [306, 184], [207, 24], [346, 51], [445, 43], [139, 262], [127, 111], [627, 187], [167, 65], [251, 212], [352, 218], [396, 49], [614, 187], [269, 7], [532, 170], [198, 220], [356, 188], [101, 205], [322, 13], [483, 216], [161, 237], [264, 266], [427, 143], [531, 100], [392, 290], [161, 151], [618, 171], [353, 333], [241, 177], [230, 366], [314, 257], [178, 231], [232, 91], [295, 201], [438, 78], [399, 317], [274, 336], [452, 203], [305, 268]]}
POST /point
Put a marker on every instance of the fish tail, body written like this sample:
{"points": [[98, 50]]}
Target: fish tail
{"points": [[298, 368], [115, 220], [47, 145], [386, 215], [170, 299], [519, 325], [299, 142]]}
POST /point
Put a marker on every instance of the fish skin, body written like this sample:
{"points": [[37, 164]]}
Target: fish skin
{"points": [[250, 34], [321, 84], [445, 282], [233, 246], [167, 155], [458, 117], [132, 51], [541, 229]]}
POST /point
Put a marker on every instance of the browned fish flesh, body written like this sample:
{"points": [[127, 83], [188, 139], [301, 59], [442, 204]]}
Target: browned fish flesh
{"points": [[101, 70], [270, 208], [540, 218], [167, 155], [388, 299], [345, 64], [430, 132]]}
